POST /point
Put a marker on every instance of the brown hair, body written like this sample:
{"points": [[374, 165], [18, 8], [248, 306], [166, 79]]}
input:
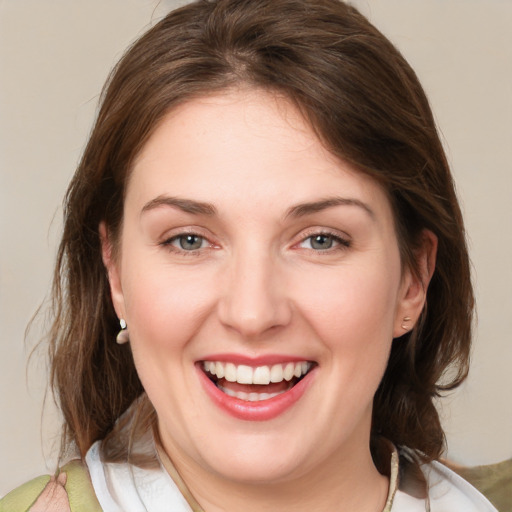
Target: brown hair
{"points": [[367, 106]]}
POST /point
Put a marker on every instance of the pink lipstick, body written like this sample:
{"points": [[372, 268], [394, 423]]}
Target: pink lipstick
{"points": [[255, 389]]}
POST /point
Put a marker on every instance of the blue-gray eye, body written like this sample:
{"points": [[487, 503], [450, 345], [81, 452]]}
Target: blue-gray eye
{"points": [[189, 242], [321, 242]]}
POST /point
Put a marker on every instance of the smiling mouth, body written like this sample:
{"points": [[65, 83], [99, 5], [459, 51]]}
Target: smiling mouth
{"points": [[255, 384]]}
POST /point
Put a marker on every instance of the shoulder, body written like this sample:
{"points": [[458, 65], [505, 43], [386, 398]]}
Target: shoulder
{"points": [[435, 487], [79, 487], [129, 487], [70, 490], [448, 491], [493, 480], [24, 496]]}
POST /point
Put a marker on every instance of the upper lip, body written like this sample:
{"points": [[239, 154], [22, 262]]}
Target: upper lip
{"points": [[255, 361]]}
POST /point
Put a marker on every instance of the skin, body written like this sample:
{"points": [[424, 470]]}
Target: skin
{"points": [[257, 287]]}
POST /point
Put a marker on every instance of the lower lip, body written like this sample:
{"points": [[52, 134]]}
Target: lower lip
{"points": [[263, 410]]}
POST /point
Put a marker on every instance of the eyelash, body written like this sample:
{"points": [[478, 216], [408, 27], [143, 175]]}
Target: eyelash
{"points": [[168, 243], [341, 243]]}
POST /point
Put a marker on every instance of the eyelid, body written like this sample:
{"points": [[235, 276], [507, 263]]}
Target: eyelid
{"points": [[344, 240], [174, 234], [171, 241]]}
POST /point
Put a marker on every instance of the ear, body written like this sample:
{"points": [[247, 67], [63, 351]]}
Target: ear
{"points": [[413, 290], [113, 270]]}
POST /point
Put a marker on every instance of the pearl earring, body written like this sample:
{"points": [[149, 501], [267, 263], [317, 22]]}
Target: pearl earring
{"points": [[406, 319], [122, 335]]}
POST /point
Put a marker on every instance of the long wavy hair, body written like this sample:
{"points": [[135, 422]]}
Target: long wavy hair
{"points": [[366, 105]]}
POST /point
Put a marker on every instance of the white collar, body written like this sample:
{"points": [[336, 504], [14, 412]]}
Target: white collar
{"points": [[124, 487]]}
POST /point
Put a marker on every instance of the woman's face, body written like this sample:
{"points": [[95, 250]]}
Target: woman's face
{"points": [[261, 282]]}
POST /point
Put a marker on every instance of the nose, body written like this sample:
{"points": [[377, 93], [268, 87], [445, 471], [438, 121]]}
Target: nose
{"points": [[254, 300]]}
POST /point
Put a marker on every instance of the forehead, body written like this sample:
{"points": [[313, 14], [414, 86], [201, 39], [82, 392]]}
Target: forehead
{"points": [[245, 145], [235, 119]]}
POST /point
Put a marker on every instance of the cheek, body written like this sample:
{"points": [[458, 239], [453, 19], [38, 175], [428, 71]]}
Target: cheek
{"points": [[165, 309], [352, 313], [165, 306], [351, 304]]}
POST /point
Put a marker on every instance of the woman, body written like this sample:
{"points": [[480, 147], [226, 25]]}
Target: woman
{"points": [[263, 212]]}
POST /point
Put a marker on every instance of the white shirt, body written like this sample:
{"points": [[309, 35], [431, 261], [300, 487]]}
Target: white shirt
{"points": [[123, 487]]}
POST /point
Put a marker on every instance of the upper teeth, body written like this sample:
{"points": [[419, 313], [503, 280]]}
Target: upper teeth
{"points": [[244, 374]]}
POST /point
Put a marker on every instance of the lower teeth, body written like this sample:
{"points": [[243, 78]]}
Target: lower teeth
{"points": [[249, 397]]}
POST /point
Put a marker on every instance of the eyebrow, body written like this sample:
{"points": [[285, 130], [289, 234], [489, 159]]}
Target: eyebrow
{"points": [[304, 209], [299, 210], [186, 205]]}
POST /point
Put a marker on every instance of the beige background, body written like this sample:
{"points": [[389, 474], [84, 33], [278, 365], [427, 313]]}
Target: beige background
{"points": [[54, 58]]}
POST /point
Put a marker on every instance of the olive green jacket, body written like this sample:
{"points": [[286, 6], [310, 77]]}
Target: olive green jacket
{"points": [[71, 491]]}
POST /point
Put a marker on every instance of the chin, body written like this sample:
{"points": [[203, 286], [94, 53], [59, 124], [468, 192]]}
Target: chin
{"points": [[257, 457]]}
